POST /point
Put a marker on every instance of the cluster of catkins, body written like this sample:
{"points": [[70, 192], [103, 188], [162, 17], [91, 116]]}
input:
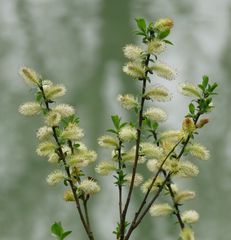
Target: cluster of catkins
{"points": [[161, 152], [60, 137], [133, 143]]}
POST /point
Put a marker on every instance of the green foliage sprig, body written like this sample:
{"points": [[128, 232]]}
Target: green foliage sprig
{"points": [[58, 231]]}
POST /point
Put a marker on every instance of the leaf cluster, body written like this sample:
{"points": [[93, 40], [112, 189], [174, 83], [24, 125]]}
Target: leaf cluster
{"points": [[148, 31], [58, 231], [118, 125], [204, 104]]}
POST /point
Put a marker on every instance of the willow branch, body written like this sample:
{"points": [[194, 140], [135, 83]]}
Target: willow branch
{"points": [[133, 225], [67, 169], [85, 200], [136, 223], [120, 185], [176, 206], [123, 219]]}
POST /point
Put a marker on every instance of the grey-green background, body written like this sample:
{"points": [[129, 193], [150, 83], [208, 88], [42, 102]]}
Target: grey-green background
{"points": [[78, 43]]}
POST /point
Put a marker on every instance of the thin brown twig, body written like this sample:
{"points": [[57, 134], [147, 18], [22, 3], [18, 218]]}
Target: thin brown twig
{"points": [[136, 223], [176, 206], [85, 200], [119, 185], [123, 219]]}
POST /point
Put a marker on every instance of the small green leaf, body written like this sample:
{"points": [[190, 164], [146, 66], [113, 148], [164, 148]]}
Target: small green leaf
{"points": [[45, 111], [123, 125], [208, 101], [66, 234], [151, 26], [213, 87], [201, 87], [57, 131], [38, 97], [164, 34], [155, 125], [65, 182], [205, 81], [57, 229], [191, 108], [70, 119], [168, 42], [76, 145], [141, 24], [140, 33], [148, 122], [111, 131], [116, 121]]}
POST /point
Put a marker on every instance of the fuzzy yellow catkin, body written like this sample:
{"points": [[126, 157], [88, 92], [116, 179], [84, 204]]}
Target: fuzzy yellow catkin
{"points": [[68, 196], [146, 185], [187, 234], [167, 145], [174, 188], [53, 158], [72, 132], [29, 75], [107, 141], [162, 209], [187, 169], [150, 150], [127, 101], [190, 216], [202, 122], [64, 110], [55, 177], [158, 93], [127, 133], [171, 135], [135, 70], [132, 51], [89, 186], [45, 148], [153, 165], [163, 70], [156, 46], [30, 108], [172, 165], [137, 180], [89, 155], [188, 125], [189, 90], [105, 167], [44, 133], [82, 158], [184, 195], [77, 160], [53, 118], [129, 156], [66, 150], [198, 151], [164, 24], [54, 91], [156, 114]]}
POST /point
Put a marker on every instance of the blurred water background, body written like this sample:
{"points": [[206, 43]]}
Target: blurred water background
{"points": [[79, 43]]}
